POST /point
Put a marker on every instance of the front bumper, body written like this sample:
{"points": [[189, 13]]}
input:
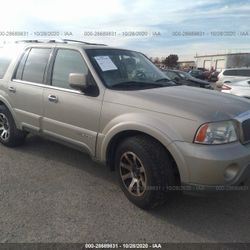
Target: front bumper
{"points": [[210, 166]]}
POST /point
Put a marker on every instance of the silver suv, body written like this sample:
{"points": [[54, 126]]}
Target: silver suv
{"points": [[122, 110]]}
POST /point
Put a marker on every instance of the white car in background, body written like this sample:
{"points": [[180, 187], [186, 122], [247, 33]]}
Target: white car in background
{"points": [[241, 88], [228, 76]]}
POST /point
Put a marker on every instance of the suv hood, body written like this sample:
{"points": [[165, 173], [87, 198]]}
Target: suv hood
{"points": [[187, 102]]}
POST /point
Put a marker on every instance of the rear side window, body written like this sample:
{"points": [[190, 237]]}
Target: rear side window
{"points": [[244, 72], [237, 72], [5, 60], [66, 62], [230, 73], [33, 65]]}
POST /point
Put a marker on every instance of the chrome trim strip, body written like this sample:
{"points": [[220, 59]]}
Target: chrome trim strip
{"points": [[48, 86], [29, 83]]}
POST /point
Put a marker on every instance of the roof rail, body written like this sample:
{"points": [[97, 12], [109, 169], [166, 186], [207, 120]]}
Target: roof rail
{"points": [[77, 41], [58, 41], [26, 41], [39, 41]]}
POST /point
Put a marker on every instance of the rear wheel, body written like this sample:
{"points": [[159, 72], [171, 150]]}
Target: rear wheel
{"points": [[9, 134], [146, 171]]}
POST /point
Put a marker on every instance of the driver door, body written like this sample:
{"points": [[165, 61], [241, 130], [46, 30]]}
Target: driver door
{"points": [[70, 115]]}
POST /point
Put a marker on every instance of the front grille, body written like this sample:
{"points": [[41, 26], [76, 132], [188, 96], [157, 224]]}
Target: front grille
{"points": [[246, 131]]}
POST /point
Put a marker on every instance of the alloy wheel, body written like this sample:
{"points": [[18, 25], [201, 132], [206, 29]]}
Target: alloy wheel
{"points": [[4, 127], [133, 174]]}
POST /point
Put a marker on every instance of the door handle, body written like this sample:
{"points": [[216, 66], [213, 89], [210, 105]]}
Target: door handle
{"points": [[12, 89], [53, 98]]}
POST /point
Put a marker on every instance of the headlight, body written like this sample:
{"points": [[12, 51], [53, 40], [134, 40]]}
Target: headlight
{"points": [[216, 133]]}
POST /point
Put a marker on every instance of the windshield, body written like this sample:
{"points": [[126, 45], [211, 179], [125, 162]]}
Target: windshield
{"points": [[171, 74], [126, 69], [184, 75]]}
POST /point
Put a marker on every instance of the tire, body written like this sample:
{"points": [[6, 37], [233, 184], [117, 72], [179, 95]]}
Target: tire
{"points": [[10, 136], [145, 171]]}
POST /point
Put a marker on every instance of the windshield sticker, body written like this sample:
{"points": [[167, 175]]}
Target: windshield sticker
{"points": [[105, 63]]}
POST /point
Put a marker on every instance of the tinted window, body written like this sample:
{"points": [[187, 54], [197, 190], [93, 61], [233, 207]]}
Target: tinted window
{"points": [[35, 65], [230, 73], [4, 62], [244, 72], [67, 61]]}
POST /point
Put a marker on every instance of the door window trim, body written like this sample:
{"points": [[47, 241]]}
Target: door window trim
{"points": [[49, 71], [47, 86], [44, 83], [51, 68]]}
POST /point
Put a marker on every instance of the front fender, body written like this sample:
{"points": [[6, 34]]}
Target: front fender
{"points": [[136, 122], [150, 125]]}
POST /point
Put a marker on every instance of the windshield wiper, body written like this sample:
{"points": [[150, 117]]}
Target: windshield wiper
{"points": [[163, 80], [137, 84], [167, 82]]}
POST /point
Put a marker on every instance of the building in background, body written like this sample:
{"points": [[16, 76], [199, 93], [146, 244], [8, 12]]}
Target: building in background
{"points": [[219, 62], [184, 65]]}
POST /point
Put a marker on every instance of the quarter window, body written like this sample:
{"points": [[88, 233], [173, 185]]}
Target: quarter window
{"points": [[66, 62], [229, 73], [19, 72]]}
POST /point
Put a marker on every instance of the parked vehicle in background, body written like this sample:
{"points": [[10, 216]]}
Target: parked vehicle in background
{"points": [[232, 75], [197, 74], [183, 78], [213, 77], [202, 69], [204, 74], [241, 88]]}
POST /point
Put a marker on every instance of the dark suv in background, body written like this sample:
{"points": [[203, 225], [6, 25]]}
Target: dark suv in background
{"points": [[183, 78]]}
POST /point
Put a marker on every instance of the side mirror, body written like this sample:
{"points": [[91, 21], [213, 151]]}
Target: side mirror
{"points": [[78, 81], [248, 82]]}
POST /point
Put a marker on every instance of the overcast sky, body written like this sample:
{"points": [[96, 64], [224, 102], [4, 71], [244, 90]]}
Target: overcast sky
{"points": [[166, 17]]}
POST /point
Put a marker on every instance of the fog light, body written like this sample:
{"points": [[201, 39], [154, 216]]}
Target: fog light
{"points": [[231, 172]]}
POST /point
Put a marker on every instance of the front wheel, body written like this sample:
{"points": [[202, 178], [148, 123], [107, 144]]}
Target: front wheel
{"points": [[146, 171], [9, 134]]}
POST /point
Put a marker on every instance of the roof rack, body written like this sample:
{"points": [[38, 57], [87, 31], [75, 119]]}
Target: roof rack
{"points": [[38, 41], [77, 41], [58, 41], [26, 41]]}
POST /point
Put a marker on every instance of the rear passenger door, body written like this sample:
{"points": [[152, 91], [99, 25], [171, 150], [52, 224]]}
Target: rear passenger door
{"points": [[26, 87], [70, 115]]}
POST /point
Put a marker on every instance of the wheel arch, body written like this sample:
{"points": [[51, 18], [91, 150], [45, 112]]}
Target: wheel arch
{"points": [[5, 103], [120, 136], [130, 124]]}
